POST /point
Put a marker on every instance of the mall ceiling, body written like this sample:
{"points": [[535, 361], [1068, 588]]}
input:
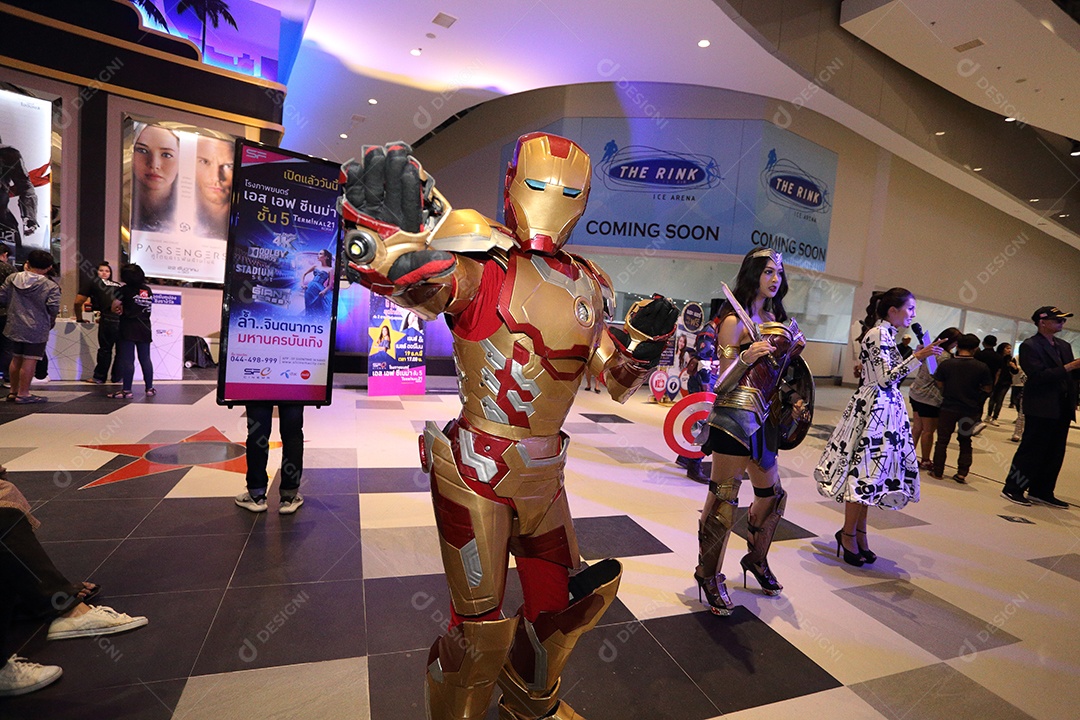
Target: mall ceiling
{"points": [[423, 62]]}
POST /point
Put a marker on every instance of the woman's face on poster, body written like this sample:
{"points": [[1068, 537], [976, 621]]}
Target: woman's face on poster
{"points": [[155, 160], [324, 257]]}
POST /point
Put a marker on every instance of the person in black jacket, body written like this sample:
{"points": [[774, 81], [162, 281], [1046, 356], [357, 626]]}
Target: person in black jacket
{"points": [[1049, 405], [134, 303]]}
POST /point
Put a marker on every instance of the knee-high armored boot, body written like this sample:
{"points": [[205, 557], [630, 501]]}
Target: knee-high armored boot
{"points": [[530, 678], [463, 666], [759, 539], [713, 533]]}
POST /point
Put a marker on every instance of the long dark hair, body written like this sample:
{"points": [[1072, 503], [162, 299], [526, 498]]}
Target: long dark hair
{"points": [[950, 335], [880, 302], [748, 281]]}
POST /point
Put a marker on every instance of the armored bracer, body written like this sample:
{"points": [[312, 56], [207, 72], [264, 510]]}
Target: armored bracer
{"points": [[627, 355]]}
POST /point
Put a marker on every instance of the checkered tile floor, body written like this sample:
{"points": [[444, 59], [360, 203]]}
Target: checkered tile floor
{"points": [[330, 612]]}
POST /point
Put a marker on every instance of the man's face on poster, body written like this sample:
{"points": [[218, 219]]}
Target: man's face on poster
{"points": [[214, 173]]}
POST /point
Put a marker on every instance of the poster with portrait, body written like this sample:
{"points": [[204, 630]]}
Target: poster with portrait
{"points": [[281, 280], [180, 181], [25, 173], [396, 355]]}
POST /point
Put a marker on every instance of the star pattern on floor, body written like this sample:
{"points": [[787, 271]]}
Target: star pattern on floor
{"points": [[206, 448]]}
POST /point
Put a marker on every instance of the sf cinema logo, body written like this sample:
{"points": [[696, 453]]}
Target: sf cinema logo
{"points": [[256, 373]]}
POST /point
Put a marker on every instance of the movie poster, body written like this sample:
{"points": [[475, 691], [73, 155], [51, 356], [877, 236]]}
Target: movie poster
{"points": [[25, 177], [181, 183], [281, 283], [396, 356]]}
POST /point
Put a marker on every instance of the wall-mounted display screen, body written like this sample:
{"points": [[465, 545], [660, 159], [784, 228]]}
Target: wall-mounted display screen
{"points": [[179, 182]]}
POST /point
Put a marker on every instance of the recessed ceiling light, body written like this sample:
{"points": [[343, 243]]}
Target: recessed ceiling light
{"points": [[978, 169], [1034, 200], [430, 36], [703, 43], [1064, 215], [939, 133], [343, 136], [1008, 119], [372, 101], [415, 52]]}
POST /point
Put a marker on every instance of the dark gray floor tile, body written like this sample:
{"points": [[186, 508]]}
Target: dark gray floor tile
{"points": [[97, 519], [312, 553], [164, 564], [38, 485], [165, 649], [605, 418], [406, 613], [935, 692], [285, 625], [396, 685], [79, 560], [145, 701], [739, 662], [585, 428], [327, 481], [381, 480], [1067, 565], [337, 511], [935, 625], [633, 455], [615, 536], [786, 530], [175, 517]]}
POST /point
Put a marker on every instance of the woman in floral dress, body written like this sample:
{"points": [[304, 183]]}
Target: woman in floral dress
{"points": [[870, 457]]}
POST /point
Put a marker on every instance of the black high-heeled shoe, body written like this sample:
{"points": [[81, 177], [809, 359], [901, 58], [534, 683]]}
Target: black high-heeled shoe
{"points": [[716, 593], [762, 574], [851, 558], [867, 555]]}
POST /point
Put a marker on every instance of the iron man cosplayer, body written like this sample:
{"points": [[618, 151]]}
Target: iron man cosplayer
{"points": [[527, 319], [764, 403]]}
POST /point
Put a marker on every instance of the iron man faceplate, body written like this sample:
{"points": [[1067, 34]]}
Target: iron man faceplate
{"points": [[547, 186]]}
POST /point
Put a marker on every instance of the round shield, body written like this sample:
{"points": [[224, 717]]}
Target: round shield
{"points": [[683, 422], [658, 384], [673, 386], [796, 404]]}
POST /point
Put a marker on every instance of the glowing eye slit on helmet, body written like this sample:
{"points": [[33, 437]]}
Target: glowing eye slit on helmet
{"points": [[547, 186]]}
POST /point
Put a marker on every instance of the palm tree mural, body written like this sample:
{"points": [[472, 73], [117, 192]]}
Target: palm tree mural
{"points": [[151, 11], [213, 10]]}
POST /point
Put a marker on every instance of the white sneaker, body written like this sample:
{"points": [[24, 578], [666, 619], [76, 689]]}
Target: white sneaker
{"points": [[42, 380], [20, 676], [289, 505], [100, 620], [255, 504]]}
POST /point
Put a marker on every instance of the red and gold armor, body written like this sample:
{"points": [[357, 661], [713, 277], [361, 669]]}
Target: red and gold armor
{"points": [[527, 319]]}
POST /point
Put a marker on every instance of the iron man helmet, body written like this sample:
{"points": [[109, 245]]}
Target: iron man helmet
{"points": [[547, 185]]}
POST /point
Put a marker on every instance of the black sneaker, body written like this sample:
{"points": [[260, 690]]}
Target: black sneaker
{"points": [[1017, 498], [1050, 500]]}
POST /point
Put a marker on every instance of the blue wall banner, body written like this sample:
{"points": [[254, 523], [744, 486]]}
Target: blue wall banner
{"points": [[281, 279], [714, 186]]}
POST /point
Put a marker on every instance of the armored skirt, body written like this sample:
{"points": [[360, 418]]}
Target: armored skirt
{"points": [[870, 458]]}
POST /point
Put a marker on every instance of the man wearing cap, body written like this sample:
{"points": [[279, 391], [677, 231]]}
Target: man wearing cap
{"points": [[1049, 405]]}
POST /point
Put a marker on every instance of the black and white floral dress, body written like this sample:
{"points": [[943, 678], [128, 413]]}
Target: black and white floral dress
{"points": [[870, 458]]}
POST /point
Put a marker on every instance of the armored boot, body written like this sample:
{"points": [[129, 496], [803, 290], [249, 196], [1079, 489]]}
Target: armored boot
{"points": [[713, 533], [530, 678], [463, 666], [759, 539]]}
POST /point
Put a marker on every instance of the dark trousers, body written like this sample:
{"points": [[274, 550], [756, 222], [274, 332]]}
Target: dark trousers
{"points": [[1037, 461], [27, 575], [997, 399], [950, 421], [1015, 395], [108, 335], [125, 358], [260, 417]]}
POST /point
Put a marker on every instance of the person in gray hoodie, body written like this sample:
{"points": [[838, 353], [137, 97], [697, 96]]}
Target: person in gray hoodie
{"points": [[33, 302]]}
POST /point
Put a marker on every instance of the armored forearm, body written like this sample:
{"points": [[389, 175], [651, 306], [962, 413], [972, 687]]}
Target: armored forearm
{"points": [[731, 375]]}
